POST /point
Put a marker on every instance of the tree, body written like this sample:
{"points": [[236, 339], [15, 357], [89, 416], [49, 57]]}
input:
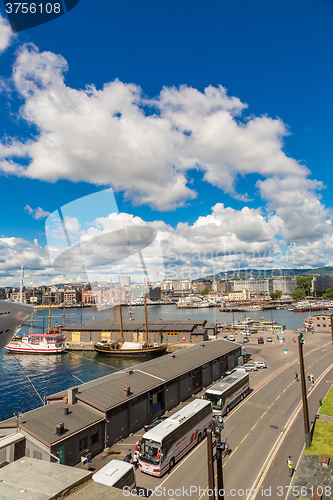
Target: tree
{"points": [[205, 291], [276, 295], [304, 283], [328, 294], [298, 294]]}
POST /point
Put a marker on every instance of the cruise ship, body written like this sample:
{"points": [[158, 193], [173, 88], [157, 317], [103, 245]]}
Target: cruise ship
{"points": [[13, 315]]}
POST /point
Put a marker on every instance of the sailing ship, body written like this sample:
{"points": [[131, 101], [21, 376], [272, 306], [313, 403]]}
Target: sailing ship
{"points": [[130, 349]]}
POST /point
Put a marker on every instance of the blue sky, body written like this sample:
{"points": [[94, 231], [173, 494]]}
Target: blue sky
{"points": [[211, 122]]}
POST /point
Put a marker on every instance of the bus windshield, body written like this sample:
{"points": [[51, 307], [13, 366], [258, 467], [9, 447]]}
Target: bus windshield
{"points": [[150, 450], [215, 399]]}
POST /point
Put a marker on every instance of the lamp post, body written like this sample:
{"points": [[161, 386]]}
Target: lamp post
{"points": [[304, 395]]}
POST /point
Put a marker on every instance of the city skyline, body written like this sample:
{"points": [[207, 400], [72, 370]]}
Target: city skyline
{"points": [[211, 124]]}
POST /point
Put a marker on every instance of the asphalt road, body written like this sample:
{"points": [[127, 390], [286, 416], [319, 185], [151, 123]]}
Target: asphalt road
{"points": [[256, 428]]}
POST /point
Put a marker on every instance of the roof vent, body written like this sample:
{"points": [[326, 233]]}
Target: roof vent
{"points": [[60, 428], [127, 391], [129, 372], [172, 355]]}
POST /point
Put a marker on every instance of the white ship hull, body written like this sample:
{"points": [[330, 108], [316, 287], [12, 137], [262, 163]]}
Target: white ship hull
{"points": [[13, 315]]}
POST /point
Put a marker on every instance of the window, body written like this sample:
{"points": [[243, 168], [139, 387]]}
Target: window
{"points": [[324, 326], [318, 325], [83, 444], [95, 438]]}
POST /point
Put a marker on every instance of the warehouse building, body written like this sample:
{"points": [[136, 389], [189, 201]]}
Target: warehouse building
{"points": [[79, 423]]}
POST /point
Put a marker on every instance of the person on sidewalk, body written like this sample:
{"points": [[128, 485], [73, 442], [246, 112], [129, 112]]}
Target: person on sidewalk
{"points": [[296, 376], [309, 377], [290, 466], [312, 379]]}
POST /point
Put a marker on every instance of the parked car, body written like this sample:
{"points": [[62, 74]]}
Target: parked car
{"points": [[245, 340], [260, 364], [261, 340], [250, 367], [246, 332], [269, 339], [239, 369], [231, 337], [152, 424]]}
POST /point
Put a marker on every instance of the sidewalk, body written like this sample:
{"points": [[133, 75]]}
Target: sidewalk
{"points": [[309, 475]]}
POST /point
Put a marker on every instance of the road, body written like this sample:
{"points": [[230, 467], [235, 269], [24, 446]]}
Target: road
{"points": [[255, 427]]}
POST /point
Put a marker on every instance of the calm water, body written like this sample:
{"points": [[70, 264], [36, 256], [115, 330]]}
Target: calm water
{"points": [[50, 374]]}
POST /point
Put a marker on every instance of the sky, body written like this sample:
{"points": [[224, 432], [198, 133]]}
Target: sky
{"points": [[207, 122]]}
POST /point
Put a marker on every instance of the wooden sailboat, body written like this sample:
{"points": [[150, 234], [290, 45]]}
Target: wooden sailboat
{"points": [[130, 349]]}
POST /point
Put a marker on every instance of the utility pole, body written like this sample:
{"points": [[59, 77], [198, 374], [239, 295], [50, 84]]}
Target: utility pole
{"points": [[304, 395], [332, 328], [211, 494]]}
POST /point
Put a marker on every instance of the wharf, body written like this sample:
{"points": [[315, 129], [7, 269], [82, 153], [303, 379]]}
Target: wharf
{"points": [[89, 346]]}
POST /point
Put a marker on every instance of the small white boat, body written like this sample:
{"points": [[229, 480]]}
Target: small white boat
{"points": [[36, 343]]}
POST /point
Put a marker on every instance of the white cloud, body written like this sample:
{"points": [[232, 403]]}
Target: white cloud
{"points": [[6, 34], [107, 137], [37, 213]]}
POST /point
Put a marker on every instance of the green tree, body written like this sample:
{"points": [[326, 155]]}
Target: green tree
{"points": [[298, 294], [276, 295], [328, 294], [304, 283], [205, 291]]}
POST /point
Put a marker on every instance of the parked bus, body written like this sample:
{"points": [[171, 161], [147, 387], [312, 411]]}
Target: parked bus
{"points": [[228, 391], [162, 446], [118, 474]]}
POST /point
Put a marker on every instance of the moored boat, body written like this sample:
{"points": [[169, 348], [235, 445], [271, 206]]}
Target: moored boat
{"points": [[35, 343], [13, 315], [129, 349]]}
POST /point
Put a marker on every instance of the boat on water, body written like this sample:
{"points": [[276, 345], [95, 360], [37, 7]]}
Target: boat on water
{"points": [[125, 349], [13, 315], [129, 349], [39, 343]]}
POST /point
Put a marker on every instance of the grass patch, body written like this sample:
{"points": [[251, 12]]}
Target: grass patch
{"points": [[322, 442], [327, 407]]}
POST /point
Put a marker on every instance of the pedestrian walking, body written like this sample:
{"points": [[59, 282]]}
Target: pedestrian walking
{"points": [[290, 466], [312, 379], [296, 376], [226, 447], [129, 455], [309, 377]]}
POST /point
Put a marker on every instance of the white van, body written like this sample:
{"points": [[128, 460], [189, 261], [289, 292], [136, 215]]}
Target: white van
{"points": [[118, 474]]}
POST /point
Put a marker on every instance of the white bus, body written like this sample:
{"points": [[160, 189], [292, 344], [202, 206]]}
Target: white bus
{"points": [[228, 391], [162, 446], [118, 474]]}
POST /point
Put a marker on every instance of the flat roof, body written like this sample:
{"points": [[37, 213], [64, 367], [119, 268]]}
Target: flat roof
{"points": [[31, 478], [110, 325]]}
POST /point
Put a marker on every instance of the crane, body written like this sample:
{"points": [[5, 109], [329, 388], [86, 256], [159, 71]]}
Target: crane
{"points": [[157, 273]]}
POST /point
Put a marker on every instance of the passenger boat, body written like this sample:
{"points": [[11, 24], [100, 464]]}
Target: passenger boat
{"points": [[124, 349], [37, 343]]}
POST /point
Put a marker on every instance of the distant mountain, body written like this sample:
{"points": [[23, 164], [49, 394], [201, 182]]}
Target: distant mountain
{"points": [[268, 273]]}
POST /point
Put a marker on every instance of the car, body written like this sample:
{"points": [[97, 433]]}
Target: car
{"points": [[225, 337], [269, 339], [245, 340], [155, 422], [260, 364], [246, 332], [238, 369], [231, 337], [261, 340], [250, 367]]}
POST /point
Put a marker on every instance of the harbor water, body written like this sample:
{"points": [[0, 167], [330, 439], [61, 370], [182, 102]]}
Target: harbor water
{"points": [[25, 379]]}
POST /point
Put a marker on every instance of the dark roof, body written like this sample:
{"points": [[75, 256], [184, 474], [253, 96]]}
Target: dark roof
{"points": [[108, 391], [158, 325], [41, 422]]}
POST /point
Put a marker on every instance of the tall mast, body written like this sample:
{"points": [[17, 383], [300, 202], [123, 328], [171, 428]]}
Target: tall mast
{"points": [[49, 313], [114, 311], [121, 316], [146, 314], [32, 314], [21, 284]]}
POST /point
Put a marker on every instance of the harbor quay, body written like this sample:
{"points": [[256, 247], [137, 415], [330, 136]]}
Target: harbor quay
{"points": [[78, 424]]}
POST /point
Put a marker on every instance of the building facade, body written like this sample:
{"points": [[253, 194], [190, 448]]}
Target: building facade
{"points": [[322, 322]]}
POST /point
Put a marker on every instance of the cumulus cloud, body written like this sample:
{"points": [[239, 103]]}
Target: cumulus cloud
{"points": [[37, 213], [6, 34], [107, 136]]}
